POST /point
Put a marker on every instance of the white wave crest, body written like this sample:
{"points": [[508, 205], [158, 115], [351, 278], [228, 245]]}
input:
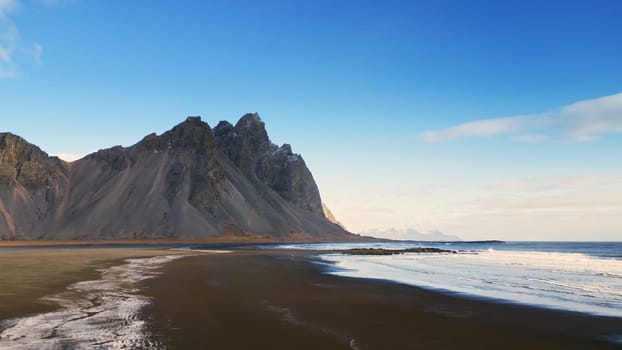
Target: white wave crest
{"points": [[567, 281]]}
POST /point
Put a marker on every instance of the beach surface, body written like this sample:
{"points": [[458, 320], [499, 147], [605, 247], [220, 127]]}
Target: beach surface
{"points": [[269, 300], [30, 273], [264, 299]]}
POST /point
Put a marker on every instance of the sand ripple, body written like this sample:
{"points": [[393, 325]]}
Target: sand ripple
{"points": [[100, 314]]}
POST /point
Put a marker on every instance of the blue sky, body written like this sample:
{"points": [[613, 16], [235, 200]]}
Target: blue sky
{"points": [[483, 119]]}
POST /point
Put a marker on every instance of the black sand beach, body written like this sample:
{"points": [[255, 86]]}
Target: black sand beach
{"points": [[30, 273], [269, 300], [281, 300]]}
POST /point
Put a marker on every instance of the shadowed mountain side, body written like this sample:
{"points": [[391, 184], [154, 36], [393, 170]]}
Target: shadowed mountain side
{"points": [[32, 184], [189, 182]]}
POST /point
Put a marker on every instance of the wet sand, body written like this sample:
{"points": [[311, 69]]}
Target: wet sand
{"points": [[269, 300], [28, 274], [279, 300]]}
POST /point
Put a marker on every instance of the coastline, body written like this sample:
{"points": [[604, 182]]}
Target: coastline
{"points": [[227, 239], [101, 313], [29, 274], [281, 299]]}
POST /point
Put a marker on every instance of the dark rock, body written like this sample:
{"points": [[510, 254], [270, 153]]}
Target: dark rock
{"points": [[174, 181], [288, 175], [32, 185], [26, 164], [189, 182], [382, 251], [223, 128]]}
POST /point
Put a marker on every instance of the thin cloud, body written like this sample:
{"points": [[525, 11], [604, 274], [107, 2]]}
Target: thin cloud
{"points": [[8, 6], [11, 44], [547, 183], [560, 194], [578, 122], [53, 3], [531, 138], [479, 128]]}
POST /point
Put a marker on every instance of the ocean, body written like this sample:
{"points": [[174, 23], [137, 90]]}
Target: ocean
{"points": [[574, 276]]}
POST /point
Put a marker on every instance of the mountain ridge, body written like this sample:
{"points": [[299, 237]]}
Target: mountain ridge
{"points": [[190, 182]]}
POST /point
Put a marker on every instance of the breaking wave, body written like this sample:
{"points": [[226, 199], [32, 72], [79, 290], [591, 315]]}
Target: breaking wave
{"points": [[566, 281]]}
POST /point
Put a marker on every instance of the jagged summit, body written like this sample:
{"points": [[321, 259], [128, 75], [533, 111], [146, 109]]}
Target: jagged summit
{"points": [[26, 164], [189, 182], [196, 120], [222, 128], [17, 147], [250, 120]]}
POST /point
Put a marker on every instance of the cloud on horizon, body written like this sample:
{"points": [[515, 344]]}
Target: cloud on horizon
{"points": [[410, 233], [578, 122], [68, 157], [562, 207]]}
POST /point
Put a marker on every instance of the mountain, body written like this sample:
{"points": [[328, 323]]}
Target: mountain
{"points": [[411, 234], [190, 182], [329, 215]]}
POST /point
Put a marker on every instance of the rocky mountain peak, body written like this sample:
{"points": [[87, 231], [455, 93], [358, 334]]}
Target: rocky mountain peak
{"points": [[18, 148], [192, 125], [245, 142], [252, 128], [25, 163], [223, 128], [195, 120], [250, 120], [190, 181], [251, 125], [192, 134], [286, 148]]}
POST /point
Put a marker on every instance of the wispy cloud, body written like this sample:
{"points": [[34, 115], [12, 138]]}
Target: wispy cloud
{"points": [[582, 194], [582, 121], [8, 6], [478, 128], [52, 3], [12, 46], [411, 233], [544, 184], [586, 206]]}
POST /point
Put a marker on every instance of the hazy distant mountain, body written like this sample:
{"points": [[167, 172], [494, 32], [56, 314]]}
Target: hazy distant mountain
{"points": [[411, 234], [190, 182]]}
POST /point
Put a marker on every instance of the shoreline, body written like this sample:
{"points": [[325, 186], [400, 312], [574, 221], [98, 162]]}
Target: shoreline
{"points": [[30, 274], [99, 313], [296, 239], [284, 299], [272, 295], [326, 267]]}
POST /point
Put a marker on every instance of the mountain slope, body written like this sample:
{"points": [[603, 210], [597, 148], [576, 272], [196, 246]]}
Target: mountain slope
{"points": [[189, 182], [32, 184]]}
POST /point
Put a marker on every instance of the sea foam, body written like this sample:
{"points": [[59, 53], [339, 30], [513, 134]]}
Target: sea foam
{"points": [[566, 281], [99, 314]]}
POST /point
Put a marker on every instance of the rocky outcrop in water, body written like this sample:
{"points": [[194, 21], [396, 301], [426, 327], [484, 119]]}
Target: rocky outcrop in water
{"points": [[189, 182], [382, 251]]}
